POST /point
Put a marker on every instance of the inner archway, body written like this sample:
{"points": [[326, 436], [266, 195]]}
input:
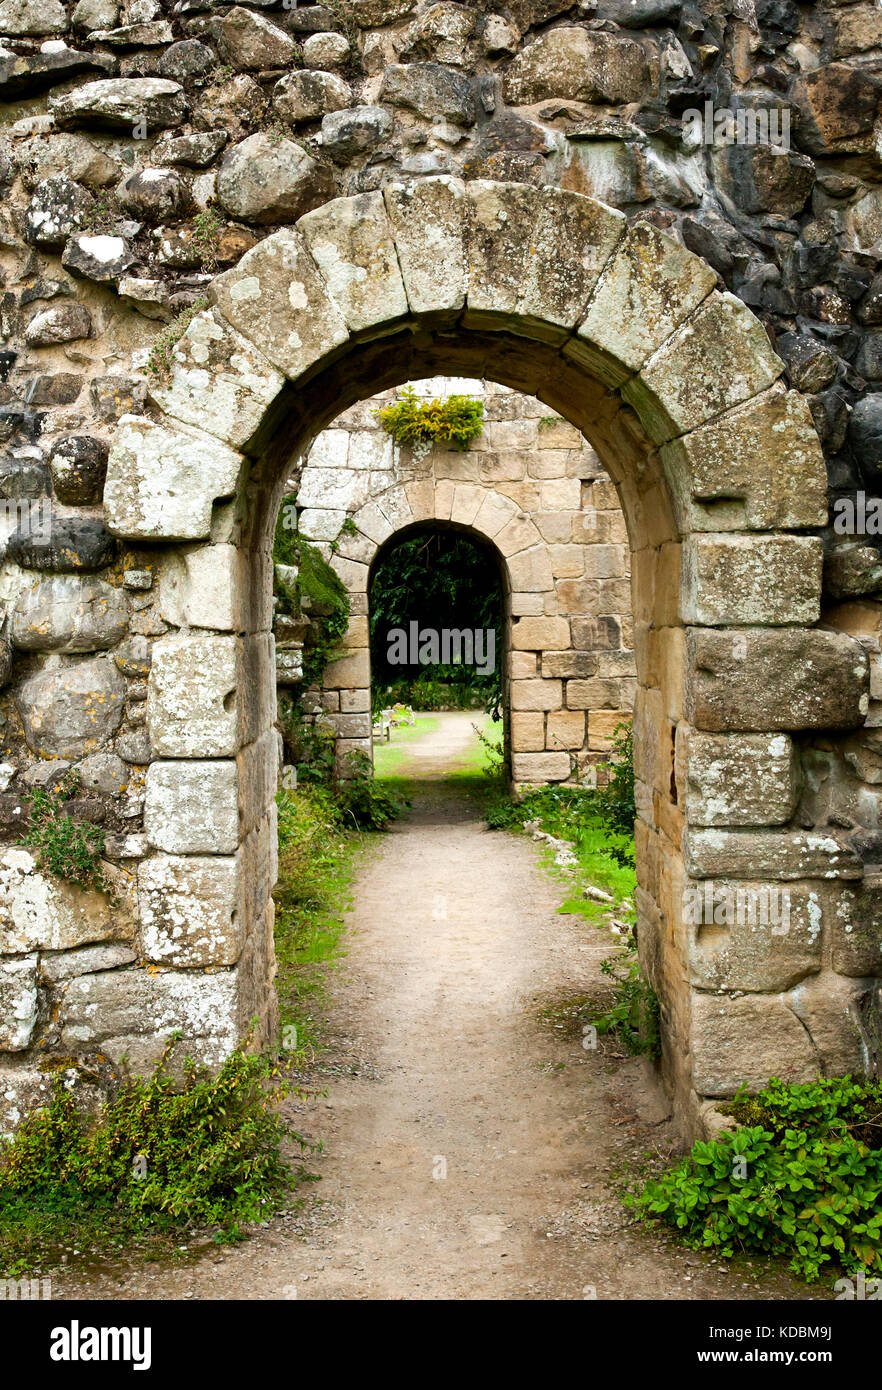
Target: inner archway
{"points": [[721, 479]]}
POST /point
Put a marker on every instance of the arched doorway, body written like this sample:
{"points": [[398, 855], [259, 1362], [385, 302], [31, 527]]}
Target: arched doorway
{"points": [[721, 480]]}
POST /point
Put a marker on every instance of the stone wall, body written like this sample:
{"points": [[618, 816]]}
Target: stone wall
{"points": [[568, 660], [155, 153]]}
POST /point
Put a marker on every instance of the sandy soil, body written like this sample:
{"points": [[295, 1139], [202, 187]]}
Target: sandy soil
{"points": [[470, 1149]]}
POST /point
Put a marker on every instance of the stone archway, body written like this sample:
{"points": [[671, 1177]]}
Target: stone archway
{"points": [[721, 481]]}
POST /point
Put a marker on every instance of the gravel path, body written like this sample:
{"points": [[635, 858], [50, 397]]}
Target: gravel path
{"points": [[470, 1148]]}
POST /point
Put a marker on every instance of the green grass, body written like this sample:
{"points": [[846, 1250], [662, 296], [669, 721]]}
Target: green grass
{"points": [[316, 865], [389, 757], [476, 763]]}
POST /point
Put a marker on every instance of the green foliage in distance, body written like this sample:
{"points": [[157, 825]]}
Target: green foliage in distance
{"points": [[802, 1175], [439, 579], [454, 421]]}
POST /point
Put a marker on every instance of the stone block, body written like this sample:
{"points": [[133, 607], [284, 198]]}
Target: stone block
{"points": [[741, 779], [742, 1041], [768, 580], [759, 468], [71, 711], [755, 679], [709, 852], [718, 360], [533, 634], [540, 767], [193, 701], [276, 296], [18, 1002], [220, 382], [762, 937], [69, 613], [351, 242], [566, 729], [191, 910], [41, 912], [646, 291], [163, 480], [536, 695], [527, 731], [192, 807], [203, 586], [427, 218]]}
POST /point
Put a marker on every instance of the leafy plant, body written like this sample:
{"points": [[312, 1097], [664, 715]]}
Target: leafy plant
{"points": [[805, 1180], [192, 1150], [69, 849], [207, 228], [454, 421], [634, 1015], [160, 359], [363, 801]]}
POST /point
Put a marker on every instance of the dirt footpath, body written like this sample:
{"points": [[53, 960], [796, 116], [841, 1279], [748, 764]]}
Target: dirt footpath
{"points": [[470, 1148]]}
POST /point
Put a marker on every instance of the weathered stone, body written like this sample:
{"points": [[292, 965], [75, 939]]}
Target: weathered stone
{"points": [[354, 131], [276, 297], [741, 779], [192, 807], [529, 768], [192, 707], [196, 151], [155, 195], [324, 51], [837, 106], [32, 18], [78, 463], [759, 467], [838, 1015], [67, 152], [865, 435], [760, 178], [740, 1042], [431, 91], [100, 258], [104, 773], [18, 1002], [648, 288], [219, 380], [730, 579], [134, 747], [25, 74], [148, 103], [351, 243], [183, 61], [755, 679], [145, 35], [721, 358], [59, 206], [106, 1011], [95, 14], [202, 586], [162, 481], [433, 268], [756, 936], [307, 96], [133, 657], [773, 854], [72, 710], [64, 323], [577, 63], [41, 912], [191, 910], [69, 613], [67, 545], [268, 181], [248, 41]]}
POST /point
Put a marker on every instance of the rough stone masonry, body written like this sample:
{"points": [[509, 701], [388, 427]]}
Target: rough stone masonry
{"points": [[365, 193]]}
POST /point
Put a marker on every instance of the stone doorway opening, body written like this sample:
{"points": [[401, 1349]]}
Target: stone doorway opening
{"points": [[624, 334]]}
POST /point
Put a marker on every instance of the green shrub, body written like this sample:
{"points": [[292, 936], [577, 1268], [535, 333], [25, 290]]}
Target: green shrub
{"points": [[811, 1159], [199, 1150], [68, 848], [454, 421], [365, 803], [633, 1018]]}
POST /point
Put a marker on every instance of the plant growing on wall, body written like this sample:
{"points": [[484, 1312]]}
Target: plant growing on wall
{"points": [[68, 848], [317, 588], [454, 421]]}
